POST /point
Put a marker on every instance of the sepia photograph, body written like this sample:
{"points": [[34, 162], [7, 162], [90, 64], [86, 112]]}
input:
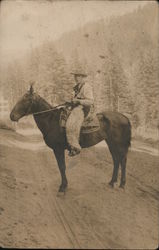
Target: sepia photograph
{"points": [[79, 124]]}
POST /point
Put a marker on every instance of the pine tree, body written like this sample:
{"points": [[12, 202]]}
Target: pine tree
{"points": [[147, 86]]}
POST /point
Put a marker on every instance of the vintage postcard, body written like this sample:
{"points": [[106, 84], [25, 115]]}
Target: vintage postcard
{"points": [[79, 124]]}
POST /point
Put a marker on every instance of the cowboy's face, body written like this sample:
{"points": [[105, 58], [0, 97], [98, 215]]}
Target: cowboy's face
{"points": [[79, 79]]}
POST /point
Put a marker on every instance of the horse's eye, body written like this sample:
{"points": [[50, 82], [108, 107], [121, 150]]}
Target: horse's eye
{"points": [[25, 96]]}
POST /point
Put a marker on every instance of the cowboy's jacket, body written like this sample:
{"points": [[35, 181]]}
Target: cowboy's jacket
{"points": [[84, 93]]}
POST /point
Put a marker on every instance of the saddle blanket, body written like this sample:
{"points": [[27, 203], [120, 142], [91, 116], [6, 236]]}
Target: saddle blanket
{"points": [[90, 123]]}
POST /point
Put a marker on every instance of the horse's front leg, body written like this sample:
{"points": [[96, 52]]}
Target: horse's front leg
{"points": [[60, 157]]}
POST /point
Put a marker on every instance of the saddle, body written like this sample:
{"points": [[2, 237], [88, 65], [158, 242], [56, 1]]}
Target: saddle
{"points": [[90, 123]]}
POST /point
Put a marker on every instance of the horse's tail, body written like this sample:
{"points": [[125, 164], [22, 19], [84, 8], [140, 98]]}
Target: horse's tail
{"points": [[128, 134], [120, 124]]}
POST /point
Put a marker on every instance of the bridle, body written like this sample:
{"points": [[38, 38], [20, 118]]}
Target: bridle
{"points": [[29, 108]]}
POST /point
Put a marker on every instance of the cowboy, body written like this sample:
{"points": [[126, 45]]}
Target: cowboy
{"points": [[82, 102]]}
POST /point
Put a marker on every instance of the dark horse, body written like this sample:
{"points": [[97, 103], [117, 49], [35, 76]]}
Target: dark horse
{"points": [[115, 129]]}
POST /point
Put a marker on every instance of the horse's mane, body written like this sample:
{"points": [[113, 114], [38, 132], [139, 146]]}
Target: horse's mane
{"points": [[38, 98], [41, 101]]}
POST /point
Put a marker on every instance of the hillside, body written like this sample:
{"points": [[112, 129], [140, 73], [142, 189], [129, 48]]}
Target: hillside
{"points": [[120, 55], [128, 44]]}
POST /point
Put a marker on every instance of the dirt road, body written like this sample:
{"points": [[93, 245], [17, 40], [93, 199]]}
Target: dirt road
{"points": [[90, 215]]}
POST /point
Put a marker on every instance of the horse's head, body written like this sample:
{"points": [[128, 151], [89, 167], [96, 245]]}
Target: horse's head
{"points": [[23, 106]]}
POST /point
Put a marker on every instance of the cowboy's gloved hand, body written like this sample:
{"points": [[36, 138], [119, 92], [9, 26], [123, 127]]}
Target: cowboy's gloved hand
{"points": [[75, 101]]}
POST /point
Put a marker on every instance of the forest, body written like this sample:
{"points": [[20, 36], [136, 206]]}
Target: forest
{"points": [[120, 56]]}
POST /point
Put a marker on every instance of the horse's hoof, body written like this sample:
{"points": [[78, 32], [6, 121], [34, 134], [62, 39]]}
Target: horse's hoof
{"points": [[62, 189], [111, 184], [60, 194], [122, 186]]}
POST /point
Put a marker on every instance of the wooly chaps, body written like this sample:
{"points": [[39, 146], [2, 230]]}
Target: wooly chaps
{"points": [[73, 126]]}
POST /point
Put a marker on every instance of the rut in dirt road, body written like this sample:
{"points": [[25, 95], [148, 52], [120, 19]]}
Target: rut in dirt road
{"points": [[90, 214]]}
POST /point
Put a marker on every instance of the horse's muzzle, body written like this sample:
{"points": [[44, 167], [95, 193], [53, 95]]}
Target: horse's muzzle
{"points": [[14, 117]]}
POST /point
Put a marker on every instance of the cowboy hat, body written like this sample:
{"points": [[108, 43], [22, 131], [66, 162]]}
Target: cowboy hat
{"points": [[79, 73]]}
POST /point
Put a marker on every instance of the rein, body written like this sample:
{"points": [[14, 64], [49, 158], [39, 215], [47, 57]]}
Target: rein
{"points": [[48, 110]]}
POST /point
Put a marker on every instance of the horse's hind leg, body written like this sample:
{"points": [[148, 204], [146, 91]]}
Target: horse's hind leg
{"points": [[115, 170], [123, 171]]}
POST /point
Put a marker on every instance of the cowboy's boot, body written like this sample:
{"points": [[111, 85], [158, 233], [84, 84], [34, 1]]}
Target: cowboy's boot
{"points": [[74, 151]]}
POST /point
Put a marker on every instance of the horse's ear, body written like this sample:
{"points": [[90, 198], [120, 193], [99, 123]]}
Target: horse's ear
{"points": [[31, 88]]}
